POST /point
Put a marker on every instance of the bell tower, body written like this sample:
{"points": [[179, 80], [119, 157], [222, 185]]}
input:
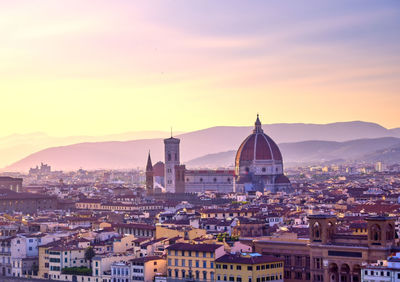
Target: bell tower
{"points": [[322, 228], [149, 177], [171, 146], [381, 231]]}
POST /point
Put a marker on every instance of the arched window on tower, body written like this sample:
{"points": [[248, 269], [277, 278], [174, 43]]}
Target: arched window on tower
{"points": [[169, 156], [389, 232], [375, 233], [316, 231]]}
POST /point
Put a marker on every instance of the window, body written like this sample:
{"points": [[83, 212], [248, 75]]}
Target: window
{"points": [[169, 262], [183, 262], [298, 275], [204, 264], [249, 268], [204, 254], [197, 263], [224, 266]]}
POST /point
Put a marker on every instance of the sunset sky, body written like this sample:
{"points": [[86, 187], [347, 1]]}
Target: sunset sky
{"points": [[102, 67]]}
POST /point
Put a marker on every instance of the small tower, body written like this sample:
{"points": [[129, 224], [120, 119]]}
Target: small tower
{"points": [[149, 176], [171, 146], [381, 231], [322, 228]]}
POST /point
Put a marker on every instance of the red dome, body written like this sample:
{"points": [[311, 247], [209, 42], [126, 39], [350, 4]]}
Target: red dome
{"points": [[258, 146]]}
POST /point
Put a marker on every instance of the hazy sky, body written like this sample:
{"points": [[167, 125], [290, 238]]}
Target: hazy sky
{"points": [[100, 67]]}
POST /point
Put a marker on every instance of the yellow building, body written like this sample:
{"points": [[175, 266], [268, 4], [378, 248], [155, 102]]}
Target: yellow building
{"points": [[193, 261], [185, 232], [248, 268]]}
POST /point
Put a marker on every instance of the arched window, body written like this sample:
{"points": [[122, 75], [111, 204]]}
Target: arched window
{"points": [[375, 233], [169, 156], [389, 232], [205, 275], [331, 229], [316, 231]]}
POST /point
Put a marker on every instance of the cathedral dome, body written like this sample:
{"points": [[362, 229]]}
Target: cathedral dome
{"points": [[258, 147]]}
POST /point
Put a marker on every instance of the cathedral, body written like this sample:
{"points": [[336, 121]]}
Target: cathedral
{"points": [[258, 167], [259, 164]]}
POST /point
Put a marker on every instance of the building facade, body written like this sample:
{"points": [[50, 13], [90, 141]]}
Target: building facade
{"points": [[10, 183], [251, 267], [192, 261], [329, 255]]}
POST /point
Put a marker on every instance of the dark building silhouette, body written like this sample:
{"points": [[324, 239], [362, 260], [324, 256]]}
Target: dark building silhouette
{"points": [[10, 183], [11, 201], [149, 177], [180, 179]]}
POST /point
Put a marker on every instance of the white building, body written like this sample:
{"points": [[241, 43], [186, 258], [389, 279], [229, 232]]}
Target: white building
{"points": [[385, 270]]}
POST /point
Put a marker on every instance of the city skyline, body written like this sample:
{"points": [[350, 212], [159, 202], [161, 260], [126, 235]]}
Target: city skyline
{"points": [[78, 69]]}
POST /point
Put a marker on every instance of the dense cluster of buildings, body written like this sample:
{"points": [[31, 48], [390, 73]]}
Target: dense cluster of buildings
{"points": [[169, 223]]}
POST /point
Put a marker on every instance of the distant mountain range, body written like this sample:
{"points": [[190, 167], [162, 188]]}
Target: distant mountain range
{"points": [[385, 149], [200, 146], [17, 146]]}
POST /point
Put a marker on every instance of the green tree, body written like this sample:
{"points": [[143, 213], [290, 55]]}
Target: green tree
{"points": [[89, 254]]}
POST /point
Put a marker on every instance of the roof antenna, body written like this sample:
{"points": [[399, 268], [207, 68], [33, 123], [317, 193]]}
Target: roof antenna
{"points": [[171, 131]]}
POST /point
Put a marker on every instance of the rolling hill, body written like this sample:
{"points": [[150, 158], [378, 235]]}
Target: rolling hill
{"points": [[293, 139]]}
